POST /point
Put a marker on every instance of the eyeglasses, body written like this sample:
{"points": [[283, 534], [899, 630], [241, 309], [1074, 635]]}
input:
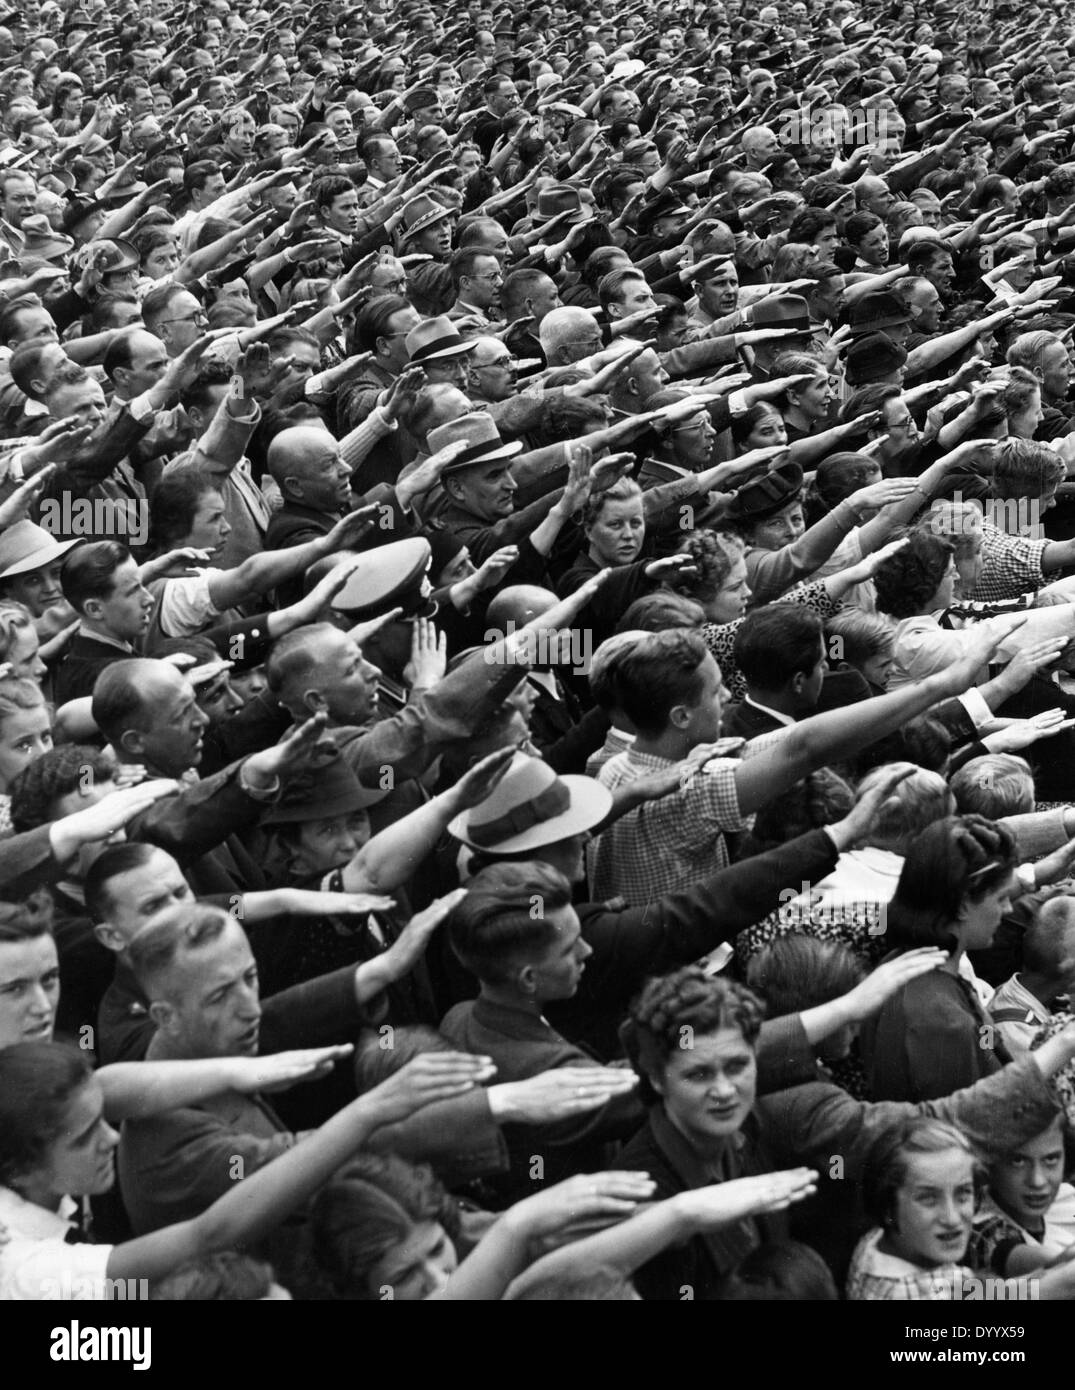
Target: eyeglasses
{"points": [[496, 278], [200, 318], [508, 362]]}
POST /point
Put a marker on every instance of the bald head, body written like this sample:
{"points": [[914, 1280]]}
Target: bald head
{"points": [[567, 335], [1049, 943], [306, 464], [149, 713], [518, 604]]}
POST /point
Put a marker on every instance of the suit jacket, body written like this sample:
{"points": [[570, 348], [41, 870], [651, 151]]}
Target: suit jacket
{"points": [[631, 943], [747, 721]]}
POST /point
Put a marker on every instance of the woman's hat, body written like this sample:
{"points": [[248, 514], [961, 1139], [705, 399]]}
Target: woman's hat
{"points": [[766, 496], [479, 433], [320, 793], [25, 547], [532, 806]]}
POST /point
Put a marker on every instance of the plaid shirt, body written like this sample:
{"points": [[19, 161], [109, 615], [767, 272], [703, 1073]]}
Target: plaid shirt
{"points": [[1011, 565], [876, 1276], [673, 842]]}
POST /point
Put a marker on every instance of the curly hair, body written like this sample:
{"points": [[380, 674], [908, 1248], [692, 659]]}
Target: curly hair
{"points": [[676, 1007], [371, 1206], [954, 861], [57, 773], [906, 581], [18, 694], [714, 554], [37, 1081], [885, 1166]]}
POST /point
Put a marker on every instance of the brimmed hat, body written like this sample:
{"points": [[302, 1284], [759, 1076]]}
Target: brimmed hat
{"points": [[877, 311], [481, 437], [25, 547], [557, 199], [110, 256], [781, 311], [434, 339], [532, 806], [420, 213], [319, 793], [666, 204], [766, 496], [874, 354], [40, 240], [391, 576], [77, 210]]}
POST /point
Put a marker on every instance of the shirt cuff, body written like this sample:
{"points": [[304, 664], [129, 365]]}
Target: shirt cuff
{"points": [[973, 701], [141, 408], [737, 404], [266, 794]]}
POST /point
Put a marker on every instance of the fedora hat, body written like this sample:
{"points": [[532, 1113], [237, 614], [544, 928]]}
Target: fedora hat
{"points": [[870, 356], [434, 339], [40, 240], [766, 496], [77, 211], [25, 547], [420, 213], [481, 437], [391, 576], [320, 793], [879, 310], [781, 311], [557, 199], [532, 806], [108, 257]]}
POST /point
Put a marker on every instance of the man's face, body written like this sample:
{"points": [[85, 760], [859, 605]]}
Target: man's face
{"points": [[709, 1088], [648, 375], [926, 306], [873, 248], [903, 439], [137, 896], [506, 99], [1055, 372], [324, 477], [29, 990], [693, 441], [346, 680], [125, 612], [149, 361], [385, 165], [34, 325], [718, 294], [434, 241], [829, 298], [212, 190], [635, 297], [84, 402], [543, 298], [172, 724], [482, 287], [623, 106], [392, 344], [486, 489], [185, 321], [492, 372], [341, 215], [941, 273], [879, 199], [20, 198], [214, 1006], [557, 971]]}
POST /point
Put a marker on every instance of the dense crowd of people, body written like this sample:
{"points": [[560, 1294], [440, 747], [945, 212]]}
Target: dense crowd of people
{"points": [[537, 650]]}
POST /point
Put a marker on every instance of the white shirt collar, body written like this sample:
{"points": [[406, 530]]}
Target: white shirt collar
{"points": [[784, 719], [30, 1222]]}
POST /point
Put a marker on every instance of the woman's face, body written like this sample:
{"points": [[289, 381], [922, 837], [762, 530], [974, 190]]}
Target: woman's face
{"points": [[324, 845], [814, 399], [708, 1088], [1023, 424], [210, 528], [616, 536], [780, 530], [81, 1162], [934, 1209], [730, 601], [876, 669], [1026, 1181], [980, 917], [23, 657], [24, 737], [417, 1267], [161, 262], [768, 432], [946, 590]]}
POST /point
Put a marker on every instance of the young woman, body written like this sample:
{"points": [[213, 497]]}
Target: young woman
{"points": [[922, 1182], [57, 1145], [957, 882], [25, 733], [20, 645], [1027, 1219]]}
